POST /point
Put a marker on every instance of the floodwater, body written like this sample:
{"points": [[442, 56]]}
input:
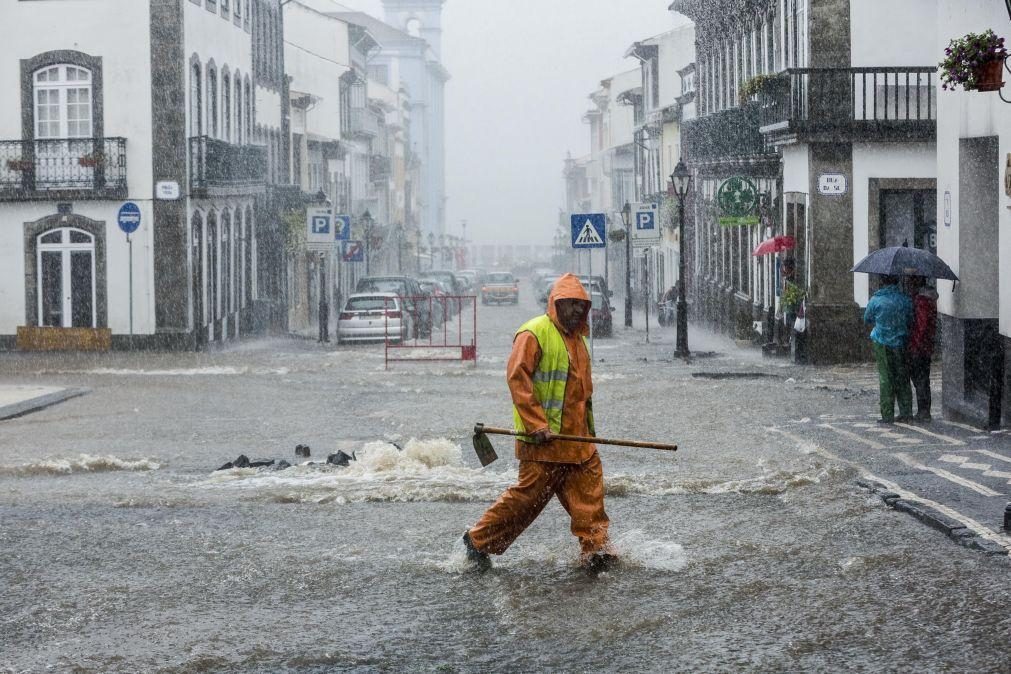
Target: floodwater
{"points": [[123, 550]]}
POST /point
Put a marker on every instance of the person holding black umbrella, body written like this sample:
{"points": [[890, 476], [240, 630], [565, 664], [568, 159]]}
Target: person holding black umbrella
{"points": [[890, 311], [920, 349]]}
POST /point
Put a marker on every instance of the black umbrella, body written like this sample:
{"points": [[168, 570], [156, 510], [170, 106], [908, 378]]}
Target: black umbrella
{"points": [[903, 261]]}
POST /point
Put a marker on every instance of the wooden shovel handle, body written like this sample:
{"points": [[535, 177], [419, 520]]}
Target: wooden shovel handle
{"points": [[481, 428]]}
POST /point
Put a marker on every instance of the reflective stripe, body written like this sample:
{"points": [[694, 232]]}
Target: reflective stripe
{"points": [[552, 375], [553, 405]]}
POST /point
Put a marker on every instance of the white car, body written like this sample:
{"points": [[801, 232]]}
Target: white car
{"points": [[371, 317]]}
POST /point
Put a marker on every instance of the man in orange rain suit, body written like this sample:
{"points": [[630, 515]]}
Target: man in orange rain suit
{"points": [[549, 380]]}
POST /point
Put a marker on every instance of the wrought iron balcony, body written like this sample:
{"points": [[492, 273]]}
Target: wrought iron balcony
{"points": [[363, 122], [723, 135], [379, 167], [846, 104], [63, 168], [216, 165]]}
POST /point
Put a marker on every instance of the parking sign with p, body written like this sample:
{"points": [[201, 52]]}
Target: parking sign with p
{"points": [[646, 231]]}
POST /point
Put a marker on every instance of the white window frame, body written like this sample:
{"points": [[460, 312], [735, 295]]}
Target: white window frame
{"points": [[62, 86], [65, 248]]}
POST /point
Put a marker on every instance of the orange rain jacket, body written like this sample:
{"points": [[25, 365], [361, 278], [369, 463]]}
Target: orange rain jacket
{"points": [[520, 370]]}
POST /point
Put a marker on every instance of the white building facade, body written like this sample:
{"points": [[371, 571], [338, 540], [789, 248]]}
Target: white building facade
{"points": [[973, 218], [185, 104]]}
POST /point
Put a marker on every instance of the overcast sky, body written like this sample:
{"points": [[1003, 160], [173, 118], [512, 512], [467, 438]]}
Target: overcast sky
{"points": [[522, 71]]}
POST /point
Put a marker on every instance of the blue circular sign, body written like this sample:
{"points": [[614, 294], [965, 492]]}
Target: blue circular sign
{"points": [[129, 217]]}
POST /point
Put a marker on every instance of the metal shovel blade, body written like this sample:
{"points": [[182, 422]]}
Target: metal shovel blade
{"points": [[483, 447]]}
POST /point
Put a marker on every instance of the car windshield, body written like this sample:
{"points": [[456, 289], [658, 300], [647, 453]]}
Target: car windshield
{"points": [[500, 278], [385, 286], [370, 303]]}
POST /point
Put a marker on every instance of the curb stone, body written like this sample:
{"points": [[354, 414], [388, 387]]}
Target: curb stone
{"points": [[949, 526], [40, 402]]}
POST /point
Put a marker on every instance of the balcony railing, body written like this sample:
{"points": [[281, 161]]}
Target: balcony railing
{"points": [[851, 103], [363, 122], [722, 135], [379, 167], [81, 168], [216, 164]]}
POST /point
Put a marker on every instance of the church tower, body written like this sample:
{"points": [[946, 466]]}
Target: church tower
{"points": [[419, 18]]}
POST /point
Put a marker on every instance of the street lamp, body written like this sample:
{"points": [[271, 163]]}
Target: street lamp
{"points": [[324, 300], [681, 181], [366, 220], [626, 218], [431, 250]]}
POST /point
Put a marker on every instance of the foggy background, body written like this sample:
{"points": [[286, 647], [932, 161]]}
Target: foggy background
{"points": [[522, 71]]}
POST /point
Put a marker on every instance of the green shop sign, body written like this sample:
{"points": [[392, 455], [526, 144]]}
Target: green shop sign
{"points": [[737, 199]]}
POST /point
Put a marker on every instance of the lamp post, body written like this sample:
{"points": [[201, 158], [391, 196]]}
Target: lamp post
{"points": [[324, 300], [681, 181], [366, 220], [431, 250], [626, 218]]}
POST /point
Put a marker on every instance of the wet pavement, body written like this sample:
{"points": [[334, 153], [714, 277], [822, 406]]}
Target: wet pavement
{"points": [[759, 546]]}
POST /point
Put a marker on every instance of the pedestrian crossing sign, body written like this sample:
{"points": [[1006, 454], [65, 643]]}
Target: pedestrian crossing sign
{"points": [[589, 230]]}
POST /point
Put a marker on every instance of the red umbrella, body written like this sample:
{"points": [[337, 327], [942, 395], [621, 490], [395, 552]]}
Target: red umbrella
{"points": [[776, 244]]}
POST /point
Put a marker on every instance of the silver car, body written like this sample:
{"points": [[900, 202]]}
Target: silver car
{"points": [[370, 317]]}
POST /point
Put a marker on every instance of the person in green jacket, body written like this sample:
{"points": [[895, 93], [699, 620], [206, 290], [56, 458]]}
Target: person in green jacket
{"points": [[890, 311]]}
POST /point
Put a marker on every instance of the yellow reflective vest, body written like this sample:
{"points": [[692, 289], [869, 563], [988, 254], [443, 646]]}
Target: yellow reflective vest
{"points": [[551, 375]]}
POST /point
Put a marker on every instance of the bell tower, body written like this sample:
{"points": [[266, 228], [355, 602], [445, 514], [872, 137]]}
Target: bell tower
{"points": [[419, 18]]}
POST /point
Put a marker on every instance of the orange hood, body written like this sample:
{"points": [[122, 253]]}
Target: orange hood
{"points": [[568, 287]]}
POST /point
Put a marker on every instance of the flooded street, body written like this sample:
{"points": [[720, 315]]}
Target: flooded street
{"points": [[124, 550]]}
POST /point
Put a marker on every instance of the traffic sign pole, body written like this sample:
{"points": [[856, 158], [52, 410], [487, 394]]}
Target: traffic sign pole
{"points": [[129, 243], [128, 220]]}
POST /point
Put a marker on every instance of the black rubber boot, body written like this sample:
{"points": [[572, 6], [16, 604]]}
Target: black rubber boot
{"points": [[479, 560], [599, 562]]}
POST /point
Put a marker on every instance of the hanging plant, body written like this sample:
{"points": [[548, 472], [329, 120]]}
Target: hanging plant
{"points": [[92, 160], [759, 84], [19, 165], [974, 62]]}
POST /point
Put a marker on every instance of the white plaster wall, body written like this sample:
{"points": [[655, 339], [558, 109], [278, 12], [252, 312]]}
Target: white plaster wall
{"points": [[796, 169], [676, 51], [893, 33], [12, 271], [211, 36], [304, 30], [30, 28], [967, 115], [622, 117], [882, 160]]}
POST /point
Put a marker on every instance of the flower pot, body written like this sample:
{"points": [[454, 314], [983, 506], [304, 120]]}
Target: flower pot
{"points": [[19, 165], [89, 162], [989, 76]]}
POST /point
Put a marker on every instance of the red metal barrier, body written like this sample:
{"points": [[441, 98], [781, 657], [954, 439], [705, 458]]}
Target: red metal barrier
{"points": [[442, 328]]}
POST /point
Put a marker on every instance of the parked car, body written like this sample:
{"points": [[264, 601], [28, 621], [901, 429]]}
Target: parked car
{"points": [[478, 274], [545, 288], [370, 317], [601, 314], [597, 283], [442, 308], [499, 287], [469, 278], [447, 277], [408, 289]]}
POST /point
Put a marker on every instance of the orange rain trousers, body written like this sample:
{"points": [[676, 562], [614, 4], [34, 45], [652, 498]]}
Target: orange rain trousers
{"points": [[579, 488]]}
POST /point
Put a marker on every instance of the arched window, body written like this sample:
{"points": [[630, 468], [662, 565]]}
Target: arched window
{"points": [[226, 261], [213, 274], [198, 270], [66, 278], [249, 111], [238, 107], [62, 95], [226, 105], [250, 256], [212, 101], [196, 101]]}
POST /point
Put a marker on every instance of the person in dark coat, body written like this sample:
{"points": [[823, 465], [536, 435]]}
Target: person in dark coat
{"points": [[920, 348], [890, 311]]}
